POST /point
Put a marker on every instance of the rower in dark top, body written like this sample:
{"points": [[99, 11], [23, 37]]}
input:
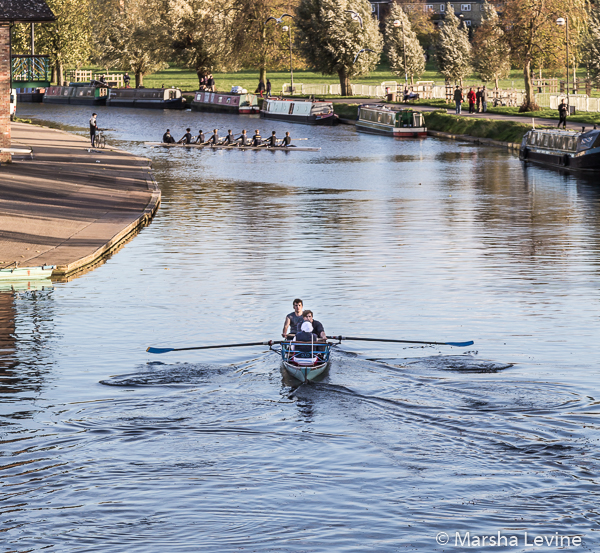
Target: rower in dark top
{"points": [[287, 140], [167, 138], [272, 140], [214, 139], [318, 329], [294, 319], [306, 334], [186, 138], [243, 139], [200, 138], [256, 139], [229, 139]]}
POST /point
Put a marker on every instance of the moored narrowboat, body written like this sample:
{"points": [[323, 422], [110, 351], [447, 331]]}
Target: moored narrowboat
{"points": [[30, 95], [315, 112], [153, 98], [391, 121], [576, 151], [91, 94], [225, 102]]}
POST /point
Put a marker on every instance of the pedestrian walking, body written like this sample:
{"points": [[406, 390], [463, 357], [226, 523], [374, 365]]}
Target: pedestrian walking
{"points": [[268, 88], [562, 114], [211, 83], [261, 88], [472, 97], [484, 99], [478, 99], [126, 79], [458, 99]]}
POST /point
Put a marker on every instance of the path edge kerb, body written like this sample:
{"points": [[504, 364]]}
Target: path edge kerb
{"points": [[65, 271]]}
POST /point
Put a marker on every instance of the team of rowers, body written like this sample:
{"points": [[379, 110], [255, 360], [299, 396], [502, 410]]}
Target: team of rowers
{"points": [[230, 139], [300, 325]]}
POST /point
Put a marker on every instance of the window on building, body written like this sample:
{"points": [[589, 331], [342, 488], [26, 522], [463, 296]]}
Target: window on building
{"points": [[468, 22], [465, 7], [373, 8], [442, 7], [428, 7]]}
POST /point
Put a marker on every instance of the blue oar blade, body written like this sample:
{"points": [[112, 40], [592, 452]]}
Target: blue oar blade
{"points": [[460, 344], [159, 350]]}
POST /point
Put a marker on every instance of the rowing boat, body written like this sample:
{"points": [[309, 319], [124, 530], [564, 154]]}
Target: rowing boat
{"points": [[305, 360], [27, 273], [223, 147]]}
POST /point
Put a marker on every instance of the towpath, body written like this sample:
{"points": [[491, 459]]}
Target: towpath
{"points": [[70, 205]]}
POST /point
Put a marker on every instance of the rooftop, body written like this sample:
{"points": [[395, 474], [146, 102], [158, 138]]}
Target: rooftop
{"points": [[29, 11]]}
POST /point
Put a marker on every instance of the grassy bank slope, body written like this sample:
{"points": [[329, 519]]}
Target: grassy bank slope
{"points": [[504, 131]]}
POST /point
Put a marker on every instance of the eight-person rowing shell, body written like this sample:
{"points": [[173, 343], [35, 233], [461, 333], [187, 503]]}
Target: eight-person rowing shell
{"points": [[243, 140]]}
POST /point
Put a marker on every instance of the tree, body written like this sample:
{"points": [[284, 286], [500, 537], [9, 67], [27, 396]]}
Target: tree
{"points": [[331, 38], [591, 45], [402, 44], [453, 49], [128, 39], [66, 41], [534, 36], [419, 14], [266, 45], [491, 52], [205, 35]]}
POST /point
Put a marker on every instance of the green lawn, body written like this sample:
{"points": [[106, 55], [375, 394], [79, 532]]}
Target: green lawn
{"points": [[187, 80]]}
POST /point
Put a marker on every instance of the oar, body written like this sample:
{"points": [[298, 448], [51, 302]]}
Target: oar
{"points": [[167, 350], [456, 344]]}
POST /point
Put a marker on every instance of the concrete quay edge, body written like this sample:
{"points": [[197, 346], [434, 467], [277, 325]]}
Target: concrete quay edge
{"points": [[72, 269], [68, 201], [513, 146]]}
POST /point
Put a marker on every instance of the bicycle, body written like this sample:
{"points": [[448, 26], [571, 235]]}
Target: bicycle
{"points": [[99, 139]]}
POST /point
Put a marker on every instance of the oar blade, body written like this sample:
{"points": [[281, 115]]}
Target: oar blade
{"points": [[460, 344], [159, 350]]}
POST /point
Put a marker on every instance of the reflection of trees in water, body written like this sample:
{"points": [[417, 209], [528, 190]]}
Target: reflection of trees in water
{"points": [[25, 326], [7, 341]]}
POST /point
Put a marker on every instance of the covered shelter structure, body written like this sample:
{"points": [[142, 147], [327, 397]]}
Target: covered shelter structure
{"points": [[11, 12]]}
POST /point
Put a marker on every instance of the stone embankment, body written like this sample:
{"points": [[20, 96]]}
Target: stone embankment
{"points": [[70, 205]]}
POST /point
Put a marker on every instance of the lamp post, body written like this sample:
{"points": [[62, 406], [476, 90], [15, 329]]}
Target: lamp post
{"points": [[286, 29], [565, 21], [399, 23]]}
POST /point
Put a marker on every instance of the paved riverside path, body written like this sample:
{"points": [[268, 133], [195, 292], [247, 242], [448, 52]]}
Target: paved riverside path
{"points": [[69, 206], [526, 120]]}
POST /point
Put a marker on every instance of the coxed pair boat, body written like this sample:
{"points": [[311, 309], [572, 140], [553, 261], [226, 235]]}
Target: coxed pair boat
{"points": [[225, 147], [305, 360]]}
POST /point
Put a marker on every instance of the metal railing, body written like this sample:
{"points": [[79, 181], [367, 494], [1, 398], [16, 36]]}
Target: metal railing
{"points": [[31, 68]]}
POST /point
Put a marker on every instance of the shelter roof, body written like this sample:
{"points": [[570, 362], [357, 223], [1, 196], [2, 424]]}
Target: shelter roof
{"points": [[30, 11]]}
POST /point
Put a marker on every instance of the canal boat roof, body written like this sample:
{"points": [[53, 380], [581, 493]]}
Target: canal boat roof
{"points": [[387, 108]]}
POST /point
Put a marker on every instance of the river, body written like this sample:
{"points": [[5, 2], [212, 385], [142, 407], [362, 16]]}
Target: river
{"points": [[400, 447]]}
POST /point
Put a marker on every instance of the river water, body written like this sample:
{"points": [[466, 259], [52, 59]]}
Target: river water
{"points": [[107, 448]]}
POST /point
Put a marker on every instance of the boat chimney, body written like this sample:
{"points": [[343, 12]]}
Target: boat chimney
{"points": [[582, 129]]}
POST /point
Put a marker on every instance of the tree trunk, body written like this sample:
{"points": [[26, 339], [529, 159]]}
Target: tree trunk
{"points": [[59, 73], [496, 82], [262, 77], [529, 104], [345, 82], [54, 78], [139, 79]]}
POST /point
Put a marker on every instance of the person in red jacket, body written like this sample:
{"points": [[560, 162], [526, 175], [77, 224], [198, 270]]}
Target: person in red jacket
{"points": [[472, 97]]}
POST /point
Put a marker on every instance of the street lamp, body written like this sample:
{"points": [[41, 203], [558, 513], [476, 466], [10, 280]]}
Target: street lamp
{"points": [[399, 23], [565, 21], [286, 29]]}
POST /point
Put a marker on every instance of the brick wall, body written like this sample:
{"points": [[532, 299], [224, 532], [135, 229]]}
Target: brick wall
{"points": [[4, 90]]}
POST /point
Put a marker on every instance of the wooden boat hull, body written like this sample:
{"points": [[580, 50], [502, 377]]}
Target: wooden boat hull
{"points": [[304, 374], [27, 273]]}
